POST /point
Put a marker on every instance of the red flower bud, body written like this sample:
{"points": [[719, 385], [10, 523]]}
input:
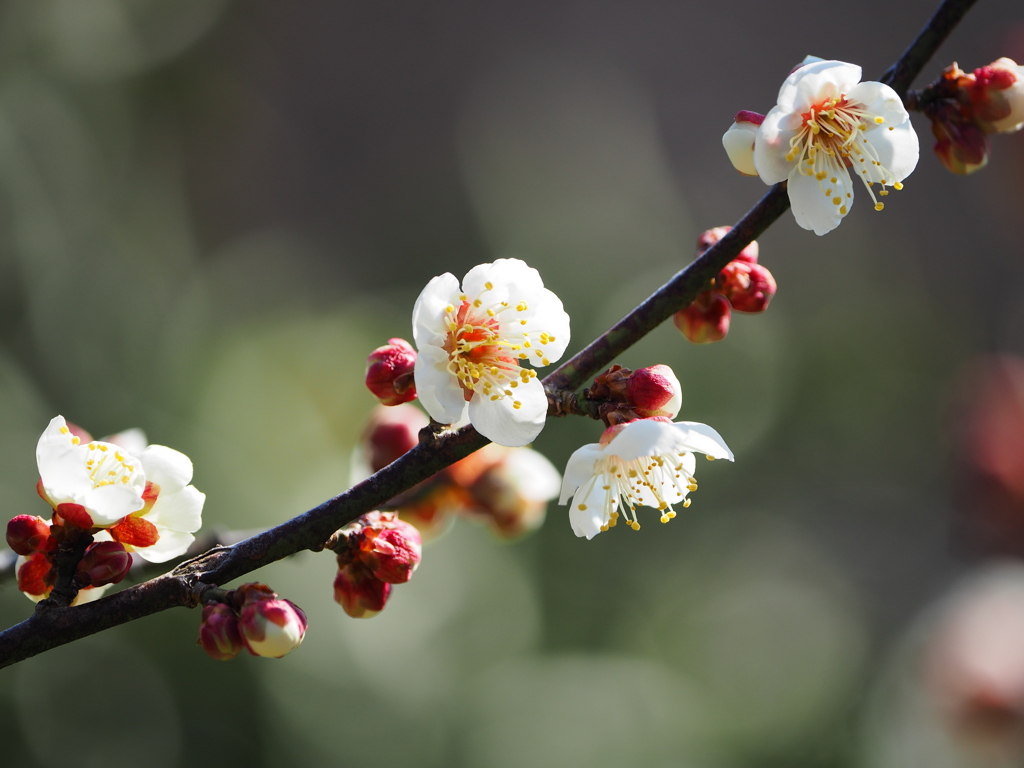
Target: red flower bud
{"points": [[711, 236], [271, 627], [35, 575], [392, 553], [389, 548], [360, 593], [27, 534], [105, 562], [391, 433], [749, 287], [705, 320], [218, 632], [654, 391], [389, 372]]}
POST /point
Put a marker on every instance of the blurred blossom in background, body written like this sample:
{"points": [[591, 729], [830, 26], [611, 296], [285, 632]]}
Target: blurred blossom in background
{"points": [[212, 211]]}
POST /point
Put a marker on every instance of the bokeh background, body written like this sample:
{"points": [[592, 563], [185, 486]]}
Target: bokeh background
{"points": [[211, 211]]}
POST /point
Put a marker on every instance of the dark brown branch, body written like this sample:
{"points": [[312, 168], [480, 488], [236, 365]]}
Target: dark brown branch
{"points": [[901, 75], [185, 585]]}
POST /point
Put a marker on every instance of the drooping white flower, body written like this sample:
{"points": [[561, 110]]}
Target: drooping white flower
{"points": [[647, 462], [472, 340], [139, 495], [826, 128]]}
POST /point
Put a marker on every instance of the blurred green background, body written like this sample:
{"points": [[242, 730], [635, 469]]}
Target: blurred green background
{"points": [[211, 211]]}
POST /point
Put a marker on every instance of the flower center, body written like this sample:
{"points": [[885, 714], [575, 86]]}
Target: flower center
{"points": [[662, 480], [831, 140], [108, 466], [485, 343]]}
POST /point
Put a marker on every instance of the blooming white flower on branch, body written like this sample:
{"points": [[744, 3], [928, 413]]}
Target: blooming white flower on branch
{"points": [[827, 126], [472, 340], [647, 462], [138, 495]]}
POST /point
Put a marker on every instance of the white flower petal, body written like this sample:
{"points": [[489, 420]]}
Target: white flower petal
{"points": [[537, 478], [168, 468], [898, 150], [703, 439], [438, 391], [587, 513], [181, 511], [503, 423], [171, 544], [132, 440], [771, 145], [811, 208], [580, 469], [435, 297]]}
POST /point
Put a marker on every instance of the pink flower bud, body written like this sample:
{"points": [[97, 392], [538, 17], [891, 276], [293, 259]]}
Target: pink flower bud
{"points": [[272, 627], [997, 96], [360, 593], [389, 372], [105, 562], [711, 236], [218, 632], [27, 534], [705, 320], [749, 287], [739, 141], [391, 433], [654, 391]]}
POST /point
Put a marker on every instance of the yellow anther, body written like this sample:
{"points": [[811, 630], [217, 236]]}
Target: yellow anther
{"points": [[582, 507], [686, 503], [879, 120], [842, 212], [522, 322], [521, 306], [489, 286], [879, 206], [516, 404], [634, 525], [897, 186], [837, 200]]}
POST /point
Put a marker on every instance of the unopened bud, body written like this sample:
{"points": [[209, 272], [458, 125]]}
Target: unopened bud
{"points": [[960, 143], [36, 576], [359, 592], [105, 562], [389, 372], [997, 96], [272, 627], [711, 236], [391, 433], [654, 391], [389, 548], [27, 534], [218, 632], [706, 319], [749, 287], [512, 495], [739, 141]]}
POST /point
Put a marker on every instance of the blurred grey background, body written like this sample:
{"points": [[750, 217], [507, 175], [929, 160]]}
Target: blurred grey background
{"points": [[211, 211]]}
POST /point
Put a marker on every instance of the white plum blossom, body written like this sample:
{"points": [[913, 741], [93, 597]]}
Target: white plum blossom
{"points": [[136, 494], [99, 476], [828, 127], [646, 462], [471, 341]]}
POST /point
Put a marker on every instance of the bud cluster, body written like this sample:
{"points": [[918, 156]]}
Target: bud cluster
{"points": [[507, 488], [374, 552], [743, 285], [252, 617], [965, 108], [38, 542], [641, 394]]}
